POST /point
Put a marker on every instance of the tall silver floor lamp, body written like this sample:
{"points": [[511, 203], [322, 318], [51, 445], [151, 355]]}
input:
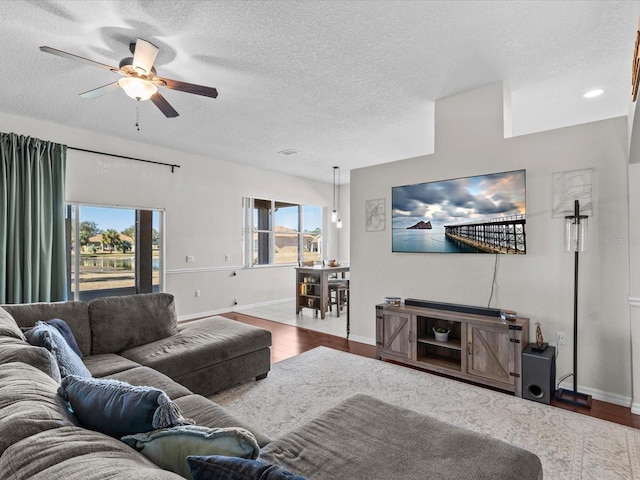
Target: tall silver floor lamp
{"points": [[575, 241]]}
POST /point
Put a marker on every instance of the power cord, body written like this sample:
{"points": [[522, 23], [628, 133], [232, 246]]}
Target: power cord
{"points": [[493, 282]]}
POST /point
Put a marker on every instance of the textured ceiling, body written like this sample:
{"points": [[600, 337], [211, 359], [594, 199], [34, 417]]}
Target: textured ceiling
{"points": [[348, 83]]}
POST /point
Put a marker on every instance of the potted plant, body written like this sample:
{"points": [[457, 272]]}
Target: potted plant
{"points": [[442, 334]]}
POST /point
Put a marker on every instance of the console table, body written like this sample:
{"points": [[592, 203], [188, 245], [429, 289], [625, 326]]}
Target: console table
{"points": [[480, 348], [312, 287]]}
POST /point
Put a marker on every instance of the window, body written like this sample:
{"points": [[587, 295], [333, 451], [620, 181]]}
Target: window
{"points": [[278, 233], [104, 258]]}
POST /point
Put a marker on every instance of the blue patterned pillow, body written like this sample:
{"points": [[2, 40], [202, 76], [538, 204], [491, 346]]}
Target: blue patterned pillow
{"points": [[66, 333], [217, 467], [48, 336], [116, 408]]}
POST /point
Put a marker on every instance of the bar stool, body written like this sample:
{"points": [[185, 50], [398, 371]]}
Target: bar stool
{"points": [[339, 294]]}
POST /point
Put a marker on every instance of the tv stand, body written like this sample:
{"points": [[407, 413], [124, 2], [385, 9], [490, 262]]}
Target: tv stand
{"points": [[481, 348]]}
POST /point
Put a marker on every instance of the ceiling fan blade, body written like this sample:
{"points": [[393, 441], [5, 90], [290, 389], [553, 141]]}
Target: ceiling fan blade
{"points": [[164, 106], [144, 55], [189, 87], [77, 58], [103, 90]]}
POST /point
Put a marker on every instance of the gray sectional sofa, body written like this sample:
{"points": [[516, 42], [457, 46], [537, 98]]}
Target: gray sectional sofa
{"points": [[361, 438], [119, 333]]}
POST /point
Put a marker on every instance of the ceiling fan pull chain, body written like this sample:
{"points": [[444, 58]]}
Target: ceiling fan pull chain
{"points": [[138, 115]]}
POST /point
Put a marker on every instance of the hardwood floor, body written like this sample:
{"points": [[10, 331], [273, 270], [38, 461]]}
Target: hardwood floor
{"points": [[289, 341]]}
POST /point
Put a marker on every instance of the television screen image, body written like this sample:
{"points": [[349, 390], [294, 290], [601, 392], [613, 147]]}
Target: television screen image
{"points": [[479, 214]]}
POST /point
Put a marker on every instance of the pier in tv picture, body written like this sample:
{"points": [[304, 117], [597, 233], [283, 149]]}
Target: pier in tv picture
{"points": [[481, 214]]}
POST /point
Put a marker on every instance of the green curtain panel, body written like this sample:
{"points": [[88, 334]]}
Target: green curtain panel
{"points": [[32, 220]]}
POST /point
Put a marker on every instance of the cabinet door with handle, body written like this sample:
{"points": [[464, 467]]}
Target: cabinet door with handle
{"points": [[491, 353], [395, 334]]}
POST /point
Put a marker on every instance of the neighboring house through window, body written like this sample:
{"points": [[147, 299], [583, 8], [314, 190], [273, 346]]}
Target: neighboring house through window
{"points": [[277, 233]]}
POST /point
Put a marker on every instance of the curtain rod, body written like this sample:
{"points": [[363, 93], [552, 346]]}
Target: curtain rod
{"points": [[172, 165]]}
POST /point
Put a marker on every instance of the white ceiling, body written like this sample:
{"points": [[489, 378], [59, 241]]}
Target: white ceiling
{"points": [[348, 83]]}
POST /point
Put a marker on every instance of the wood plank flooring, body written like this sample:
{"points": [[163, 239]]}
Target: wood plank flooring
{"points": [[289, 341]]}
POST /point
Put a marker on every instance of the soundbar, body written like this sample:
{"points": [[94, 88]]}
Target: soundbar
{"points": [[455, 307]]}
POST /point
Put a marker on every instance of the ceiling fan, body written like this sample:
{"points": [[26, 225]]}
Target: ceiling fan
{"points": [[139, 79]]}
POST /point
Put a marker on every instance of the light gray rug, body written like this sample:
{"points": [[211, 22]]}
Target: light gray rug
{"points": [[570, 445]]}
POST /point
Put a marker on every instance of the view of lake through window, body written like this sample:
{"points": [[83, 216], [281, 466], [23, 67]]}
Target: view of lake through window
{"points": [[103, 251]]}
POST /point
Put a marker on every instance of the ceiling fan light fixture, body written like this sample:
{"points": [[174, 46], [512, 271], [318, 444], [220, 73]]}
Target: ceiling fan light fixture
{"points": [[137, 88]]}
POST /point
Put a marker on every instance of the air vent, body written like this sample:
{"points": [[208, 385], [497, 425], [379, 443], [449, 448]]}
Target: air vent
{"points": [[288, 152]]}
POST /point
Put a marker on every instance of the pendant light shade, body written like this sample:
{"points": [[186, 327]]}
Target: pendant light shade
{"points": [[137, 88]]}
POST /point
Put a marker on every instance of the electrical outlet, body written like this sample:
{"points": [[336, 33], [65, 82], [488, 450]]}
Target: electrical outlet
{"points": [[561, 338], [197, 293]]}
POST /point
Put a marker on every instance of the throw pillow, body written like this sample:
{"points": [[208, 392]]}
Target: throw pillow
{"points": [[66, 333], [117, 408], [217, 467], [169, 448], [48, 336]]}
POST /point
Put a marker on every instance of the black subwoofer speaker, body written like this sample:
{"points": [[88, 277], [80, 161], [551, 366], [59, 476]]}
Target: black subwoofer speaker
{"points": [[539, 374]]}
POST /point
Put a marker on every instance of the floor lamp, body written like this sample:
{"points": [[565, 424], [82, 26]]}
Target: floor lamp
{"points": [[575, 240]]}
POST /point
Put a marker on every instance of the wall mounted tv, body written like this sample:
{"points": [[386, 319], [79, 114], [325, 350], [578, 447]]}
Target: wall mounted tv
{"points": [[480, 214]]}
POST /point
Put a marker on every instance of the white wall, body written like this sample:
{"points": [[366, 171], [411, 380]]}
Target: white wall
{"points": [[202, 201], [470, 141]]}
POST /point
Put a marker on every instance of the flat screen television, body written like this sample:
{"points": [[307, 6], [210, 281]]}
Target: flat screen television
{"points": [[480, 214]]}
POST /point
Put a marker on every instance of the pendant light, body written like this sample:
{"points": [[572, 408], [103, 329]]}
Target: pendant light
{"points": [[334, 213], [339, 221]]}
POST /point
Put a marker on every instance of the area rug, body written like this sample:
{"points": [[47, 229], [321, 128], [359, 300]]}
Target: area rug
{"points": [[570, 445]]}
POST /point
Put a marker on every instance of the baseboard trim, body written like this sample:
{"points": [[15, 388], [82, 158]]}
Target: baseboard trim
{"points": [[235, 308], [603, 396], [365, 340], [240, 308], [194, 316]]}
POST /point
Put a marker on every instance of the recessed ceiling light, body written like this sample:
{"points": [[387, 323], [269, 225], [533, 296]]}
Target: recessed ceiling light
{"points": [[593, 93]]}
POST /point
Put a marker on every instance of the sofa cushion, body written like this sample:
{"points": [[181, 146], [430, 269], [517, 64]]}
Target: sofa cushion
{"points": [[116, 408], [168, 448], [334, 444], [45, 335], [74, 452], [29, 404], [152, 378], [75, 314], [207, 413], [217, 467], [200, 343], [14, 350], [8, 326], [107, 364], [120, 323]]}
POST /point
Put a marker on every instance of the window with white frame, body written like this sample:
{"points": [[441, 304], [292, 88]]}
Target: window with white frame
{"points": [[280, 233]]}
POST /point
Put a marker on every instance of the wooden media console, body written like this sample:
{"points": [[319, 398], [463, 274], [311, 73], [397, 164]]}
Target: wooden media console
{"points": [[481, 347]]}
